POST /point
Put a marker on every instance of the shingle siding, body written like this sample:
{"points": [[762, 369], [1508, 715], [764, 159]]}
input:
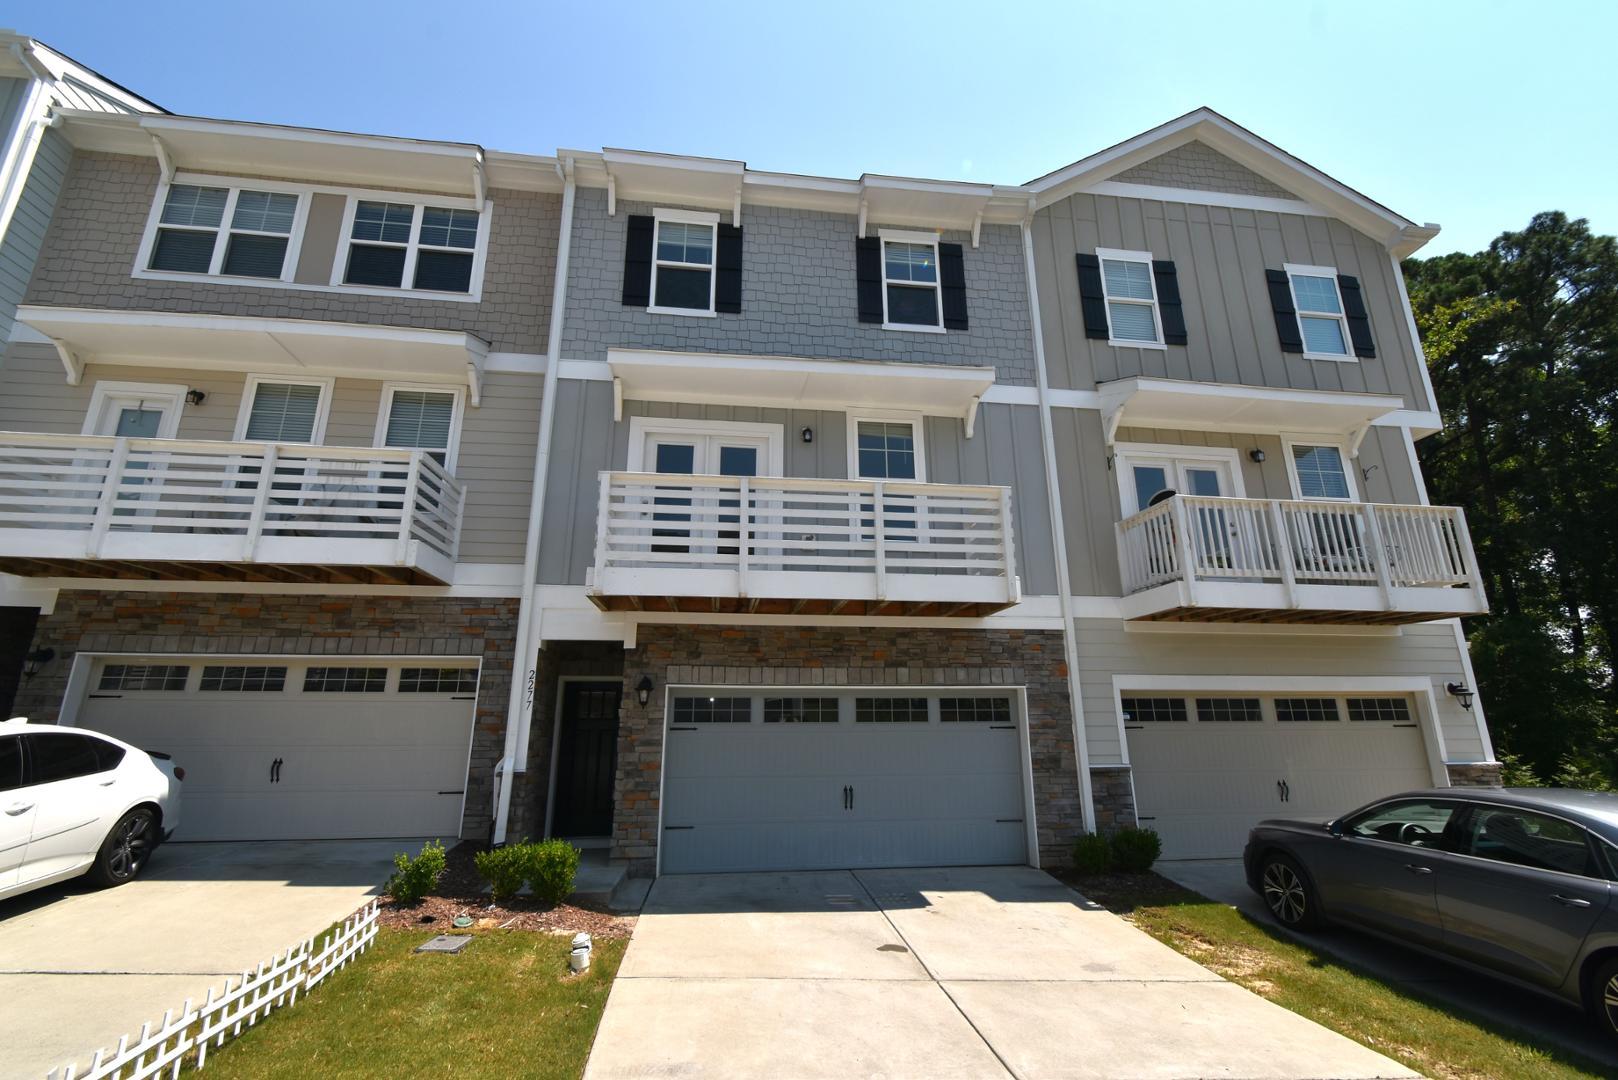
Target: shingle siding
{"points": [[1202, 168]]}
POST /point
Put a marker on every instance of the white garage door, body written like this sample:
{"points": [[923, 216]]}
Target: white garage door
{"points": [[809, 780], [297, 749], [1208, 768]]}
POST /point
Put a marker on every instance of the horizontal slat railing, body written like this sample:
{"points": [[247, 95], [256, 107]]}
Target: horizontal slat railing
{"points": [[1289, 542], [101, 484], [760, 525]]}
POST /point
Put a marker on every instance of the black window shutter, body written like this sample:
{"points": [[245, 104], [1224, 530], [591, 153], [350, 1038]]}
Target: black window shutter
{"points": [[952, 277], [1286, 316], [1092, 298], [1359, 320], [638, 262], [868, 277], [727, 295], [1168, 301]]}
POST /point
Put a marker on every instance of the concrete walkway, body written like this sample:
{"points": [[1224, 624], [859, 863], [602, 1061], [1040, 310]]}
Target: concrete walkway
{"points": [[80, 966], [1497, 1006], [981, 972]]}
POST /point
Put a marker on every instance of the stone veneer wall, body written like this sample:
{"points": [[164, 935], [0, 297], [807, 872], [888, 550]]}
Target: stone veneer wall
{"points": [[236, 624], [1113, 789], [1484, 774], [858, 656]]}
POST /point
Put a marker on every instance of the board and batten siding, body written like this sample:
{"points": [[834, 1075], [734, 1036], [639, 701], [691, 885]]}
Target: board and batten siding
{"points": [[19, 250], [495, 462], [1427, 650], [1220, 255]]}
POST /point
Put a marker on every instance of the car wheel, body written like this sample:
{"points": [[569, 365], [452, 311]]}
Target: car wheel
{"points": [[1604, 998], [124, 852], [1287, 893]]}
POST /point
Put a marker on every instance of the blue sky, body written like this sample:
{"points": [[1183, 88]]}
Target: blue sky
{"points": [[1472, 114]]}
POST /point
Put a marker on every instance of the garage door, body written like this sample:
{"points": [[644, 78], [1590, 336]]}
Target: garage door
{"points": [[808, 781], [294, 749], [1207, 768]]}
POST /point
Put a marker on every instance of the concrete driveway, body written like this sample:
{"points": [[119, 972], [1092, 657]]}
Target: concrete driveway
{"points": [[80, 966], [1495, 1005], [980, 972]]}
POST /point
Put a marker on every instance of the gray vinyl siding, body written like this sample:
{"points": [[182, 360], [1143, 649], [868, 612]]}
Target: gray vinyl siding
{"points": [[19, 250], [1220, 254], [1106, 648], [496, 463], [798, 296], [581, 449]]}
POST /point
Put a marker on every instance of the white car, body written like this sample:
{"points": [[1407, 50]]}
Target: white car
{"points": [[75, 802]]}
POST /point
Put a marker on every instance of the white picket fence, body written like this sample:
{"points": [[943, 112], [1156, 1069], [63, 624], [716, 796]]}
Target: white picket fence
{"points": [[226, 1013]]}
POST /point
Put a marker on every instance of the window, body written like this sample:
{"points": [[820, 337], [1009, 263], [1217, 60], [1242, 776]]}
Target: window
{"points": [[1417, 822], [910, 293], [808, 710], [1319, 472], [63, 757], [345, 680], [713, 710], [1290, 710], [1229, 710], [143, 677], [417, 418], [875, 710], [423, 680], [245, 679], [1396, 710], [256, 243], [432, 248], [1524, 838], [1320, 311], [1154, 710], [683, 262], [1131, 294], [885, 450], [986, 710], [275, 410], [10, 762]]}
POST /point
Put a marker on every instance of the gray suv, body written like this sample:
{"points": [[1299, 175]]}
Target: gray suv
{"points": [[1519, 882]]}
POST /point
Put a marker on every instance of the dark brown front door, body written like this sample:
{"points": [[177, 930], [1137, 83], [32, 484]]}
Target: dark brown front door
{"points": [[587, 759]]}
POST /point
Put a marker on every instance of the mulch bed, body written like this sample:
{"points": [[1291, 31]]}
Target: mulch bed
{"points": [[1123, 893], [461, 892]]}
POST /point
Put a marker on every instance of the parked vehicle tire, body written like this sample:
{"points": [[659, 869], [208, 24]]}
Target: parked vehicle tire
{"points": [[124, 852], [1604, 997], [1288, 894]]}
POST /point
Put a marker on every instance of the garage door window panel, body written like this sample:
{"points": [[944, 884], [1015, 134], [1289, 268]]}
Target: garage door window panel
{"points": [[124, 677], [241, 678], [804, 710], [1385, 710], [345, 680], [1229, 710], [883, 710], [1306, 710], [713, 710], [423, 680], [978, 710], [1155, 710]]}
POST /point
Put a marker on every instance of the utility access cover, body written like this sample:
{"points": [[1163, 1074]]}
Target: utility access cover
{"points": [[450, 943]]}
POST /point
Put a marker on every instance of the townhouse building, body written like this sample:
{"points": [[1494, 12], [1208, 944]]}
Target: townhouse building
{"points": [[724, 519]]}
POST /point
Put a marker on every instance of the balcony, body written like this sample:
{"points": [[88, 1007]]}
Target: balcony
{"points": [[768, 545], [90, 506], [1196, 559]]}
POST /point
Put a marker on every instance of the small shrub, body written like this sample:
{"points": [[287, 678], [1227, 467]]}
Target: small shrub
{"points": [[550, 868], [504, 868], [1135, 850], [414, 878], [1092, 854]]}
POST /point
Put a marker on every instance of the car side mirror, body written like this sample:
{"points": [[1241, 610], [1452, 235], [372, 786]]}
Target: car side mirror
{"points": [[1335, 828]]}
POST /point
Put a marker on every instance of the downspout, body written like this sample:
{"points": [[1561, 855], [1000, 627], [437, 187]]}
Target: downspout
{"points": [[1047, 433], [520, 712]]}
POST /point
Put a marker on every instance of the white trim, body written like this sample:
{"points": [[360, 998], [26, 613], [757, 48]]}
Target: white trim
{"points": [[1415, 339], [685, 217], [412, 247], [1196, 197], [1296, 270], [1465, 651], [514, 363], [171, 395], [1415, 466], [457, 414], [1248, 629], [244, 413], [1290, 440], [913, 419], [1126, 455], [640, 427], [1103, 255], [925, 239]]}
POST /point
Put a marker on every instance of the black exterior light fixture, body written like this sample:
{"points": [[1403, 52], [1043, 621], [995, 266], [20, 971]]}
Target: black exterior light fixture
{"points": [[195, 397], [1462, 693], [1256, 456], [35, 660], [643, 689], [808, 434]]}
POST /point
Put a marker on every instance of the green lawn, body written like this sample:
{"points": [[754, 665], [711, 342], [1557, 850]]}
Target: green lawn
{"points": [[1426, 1036], [505, 1006]]}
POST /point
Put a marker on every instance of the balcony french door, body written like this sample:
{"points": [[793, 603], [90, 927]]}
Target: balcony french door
{"points": [[700, 454]]}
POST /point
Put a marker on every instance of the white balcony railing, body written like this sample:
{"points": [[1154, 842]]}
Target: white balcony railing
{"points": [[1335, 556], [660, 535], [88, 497]]}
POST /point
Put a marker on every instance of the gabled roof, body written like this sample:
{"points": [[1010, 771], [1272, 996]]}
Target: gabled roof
{"points": [[76, 85], [1263, 157]]}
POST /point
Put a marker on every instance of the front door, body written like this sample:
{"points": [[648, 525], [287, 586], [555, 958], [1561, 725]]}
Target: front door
{"points": [[587, 759]]}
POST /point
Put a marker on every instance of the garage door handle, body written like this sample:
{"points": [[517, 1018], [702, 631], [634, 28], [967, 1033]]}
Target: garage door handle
{"points": [[1570, 901]]}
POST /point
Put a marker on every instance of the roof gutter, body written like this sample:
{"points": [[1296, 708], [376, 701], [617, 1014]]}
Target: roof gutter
{"points": [[520, 709]]}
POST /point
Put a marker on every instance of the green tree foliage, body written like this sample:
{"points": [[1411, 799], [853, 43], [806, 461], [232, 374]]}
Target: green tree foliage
{"points": [[1522, 344]]}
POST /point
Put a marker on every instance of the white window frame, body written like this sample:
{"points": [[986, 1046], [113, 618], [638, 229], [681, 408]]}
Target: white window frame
{"points": [[244, 412], [1299, 270], [452, 451], [684, 217], [170, 395], [1350, 469], [913, 419], [927, 239], [305, 193], [1107, 300], [1127, 455], [640, 427], [413, 246]]}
